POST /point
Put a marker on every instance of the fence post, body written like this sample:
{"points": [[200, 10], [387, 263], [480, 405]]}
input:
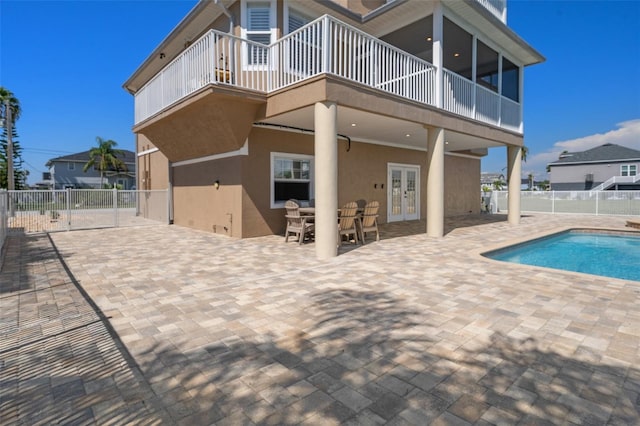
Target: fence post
{"points": [[597, 197], [115, 207], [553, 202], [68, 196]]}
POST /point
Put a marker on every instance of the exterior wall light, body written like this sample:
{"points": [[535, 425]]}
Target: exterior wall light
{"points": [[216, 184]]}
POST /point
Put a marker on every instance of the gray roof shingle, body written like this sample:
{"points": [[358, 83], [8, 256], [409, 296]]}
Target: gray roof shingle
{"points": [[602, 153], [129, 157]]}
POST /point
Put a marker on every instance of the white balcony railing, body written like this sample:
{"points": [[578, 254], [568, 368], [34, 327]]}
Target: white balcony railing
{"points": [[328, 46], [616, 180], [496, 7]]}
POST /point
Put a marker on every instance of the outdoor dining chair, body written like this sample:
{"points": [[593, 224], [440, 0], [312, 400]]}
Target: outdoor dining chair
{"points": [[297, 224], [369, 220], [347, 222]]}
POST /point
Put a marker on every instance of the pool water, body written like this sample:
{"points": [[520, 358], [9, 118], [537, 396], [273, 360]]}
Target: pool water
{"points": [[597, 253]]}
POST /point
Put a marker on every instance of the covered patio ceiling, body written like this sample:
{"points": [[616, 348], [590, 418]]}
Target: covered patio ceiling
{"points": [[367, 127]]}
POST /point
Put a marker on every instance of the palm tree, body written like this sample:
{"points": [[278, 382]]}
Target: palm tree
{"points": [[105, 157], [14, 103]]}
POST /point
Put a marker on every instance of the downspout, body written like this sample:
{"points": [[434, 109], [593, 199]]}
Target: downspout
{"points": [[228, 15], [224, 9]]}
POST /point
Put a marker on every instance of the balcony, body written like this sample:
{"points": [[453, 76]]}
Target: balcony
{"points": [[497, 7], [324, 46]]}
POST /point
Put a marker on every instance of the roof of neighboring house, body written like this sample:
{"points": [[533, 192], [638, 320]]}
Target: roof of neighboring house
{"points": [[129, 157], [602, 153], [489, 178]]}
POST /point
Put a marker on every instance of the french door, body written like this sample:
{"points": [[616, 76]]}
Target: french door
{"points": [[403, 192]]}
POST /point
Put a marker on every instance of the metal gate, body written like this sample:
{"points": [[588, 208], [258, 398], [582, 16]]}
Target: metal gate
{"points": [[65, 210]]}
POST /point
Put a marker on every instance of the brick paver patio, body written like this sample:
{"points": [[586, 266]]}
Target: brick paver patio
{"points": [[166, 325]]}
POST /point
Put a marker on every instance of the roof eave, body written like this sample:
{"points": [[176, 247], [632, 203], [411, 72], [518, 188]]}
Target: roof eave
{"points": [[612, 160], [175, 33]]}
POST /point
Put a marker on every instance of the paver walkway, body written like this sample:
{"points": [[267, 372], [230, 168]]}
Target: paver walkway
{"points": [[185, 327]]}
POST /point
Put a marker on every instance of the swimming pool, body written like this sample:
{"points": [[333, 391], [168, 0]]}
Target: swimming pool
{"points": [[610, 254]]}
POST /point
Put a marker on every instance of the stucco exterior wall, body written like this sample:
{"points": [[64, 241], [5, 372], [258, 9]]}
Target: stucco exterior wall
{"points": [[362, 174], [197, 203], [461, 185], [153, 167]]}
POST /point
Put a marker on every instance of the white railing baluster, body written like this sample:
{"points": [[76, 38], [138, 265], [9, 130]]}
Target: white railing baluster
{"points": [[325, 45]]}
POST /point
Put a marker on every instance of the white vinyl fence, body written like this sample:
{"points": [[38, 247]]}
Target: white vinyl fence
{"points": [[3, 220], [65, 210], [622, 203]]}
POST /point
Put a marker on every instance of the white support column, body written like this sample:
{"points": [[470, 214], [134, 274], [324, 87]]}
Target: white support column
{"points": [[438, 25], [435, 182], [326, 179], [514, 179]]}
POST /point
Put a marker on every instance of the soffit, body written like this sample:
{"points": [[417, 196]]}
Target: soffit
{"points": [[380, 129]]}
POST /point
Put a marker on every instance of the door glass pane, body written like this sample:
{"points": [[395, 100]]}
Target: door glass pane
{"points": [[396, 192], [411, 192]]}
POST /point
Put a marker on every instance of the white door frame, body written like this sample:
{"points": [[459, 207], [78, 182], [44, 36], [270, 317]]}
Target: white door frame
{"points": [[403, 214]]}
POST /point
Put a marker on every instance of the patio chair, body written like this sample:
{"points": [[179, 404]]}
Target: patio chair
{"points": [[369, 220], [299, 225], [347, 222]]}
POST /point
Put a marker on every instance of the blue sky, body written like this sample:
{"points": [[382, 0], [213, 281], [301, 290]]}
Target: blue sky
{"points": [[66, 62]]}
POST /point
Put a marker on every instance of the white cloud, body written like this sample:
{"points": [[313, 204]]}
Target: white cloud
{"points": [[626, 134]]}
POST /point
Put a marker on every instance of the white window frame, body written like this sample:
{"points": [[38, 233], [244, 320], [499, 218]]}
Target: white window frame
{"points": [[628, 169], [288, 10], [272, 180], [244, 32], [71, 165]]}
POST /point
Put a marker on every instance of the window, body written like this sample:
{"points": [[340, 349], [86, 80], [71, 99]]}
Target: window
{"points": [[296, 20], [457, 48], [510, 80], [628, 170], [258, 25], [291, 177], [487, 67], [71, 165], [304, 54]]}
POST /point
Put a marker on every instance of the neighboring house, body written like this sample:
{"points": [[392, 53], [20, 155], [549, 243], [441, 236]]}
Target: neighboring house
{"points": [[606, 167], [491, 179], [246, 104], [66, 172]]}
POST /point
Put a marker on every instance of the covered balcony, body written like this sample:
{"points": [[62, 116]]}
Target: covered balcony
{"points": [[331, 47]]}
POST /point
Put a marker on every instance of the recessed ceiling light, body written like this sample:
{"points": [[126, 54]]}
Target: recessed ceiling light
{"points": [[407, 135], [353, 124], [456, 54], [429, 39]]}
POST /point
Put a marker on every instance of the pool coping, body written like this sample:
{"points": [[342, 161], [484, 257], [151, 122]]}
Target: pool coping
{"points": [[480, 253]]}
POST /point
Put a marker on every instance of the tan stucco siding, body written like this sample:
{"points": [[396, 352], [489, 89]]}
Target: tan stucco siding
{"points": [[362, 174], [259, 218], [461, 185], [198, 204], [153, 167]]}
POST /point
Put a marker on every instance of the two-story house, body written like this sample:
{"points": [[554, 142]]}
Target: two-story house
{"points": [[603, 168], [67, 172], [246, 104]]}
